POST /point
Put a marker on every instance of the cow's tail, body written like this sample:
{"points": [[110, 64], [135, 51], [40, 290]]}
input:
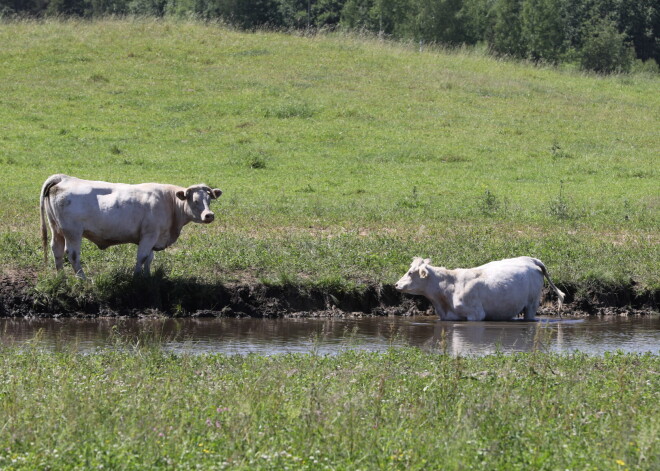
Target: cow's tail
{"points": [[43, 196], [560, 294]]}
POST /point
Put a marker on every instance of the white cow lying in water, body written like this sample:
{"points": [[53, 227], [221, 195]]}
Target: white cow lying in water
{"points": [[150, 215], [495, 291]]}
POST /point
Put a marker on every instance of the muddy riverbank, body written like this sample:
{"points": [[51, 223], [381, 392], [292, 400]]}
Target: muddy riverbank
{"points": [[24, 294]]}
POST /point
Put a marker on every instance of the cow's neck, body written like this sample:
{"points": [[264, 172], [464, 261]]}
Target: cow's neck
{"points": [[438, 291], [180, 217]]}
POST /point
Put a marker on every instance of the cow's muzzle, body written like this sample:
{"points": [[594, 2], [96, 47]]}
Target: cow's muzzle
{"points": [[208, 217]]}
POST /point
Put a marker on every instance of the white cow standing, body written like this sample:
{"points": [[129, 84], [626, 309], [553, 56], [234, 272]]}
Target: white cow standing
{"points": [[495, 291], [150, 215]]}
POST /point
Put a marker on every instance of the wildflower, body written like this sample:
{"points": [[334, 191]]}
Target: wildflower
{"points": [[620, 462]]}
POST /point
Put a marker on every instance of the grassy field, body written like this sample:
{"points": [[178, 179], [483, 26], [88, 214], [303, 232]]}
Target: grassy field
{"points": [[144, 408], [340, 157]]}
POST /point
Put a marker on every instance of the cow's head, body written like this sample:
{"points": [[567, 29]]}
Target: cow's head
{"points": [[197, 199], [415, 280]]}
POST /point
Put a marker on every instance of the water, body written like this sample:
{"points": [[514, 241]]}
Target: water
{"points": [[328, 336]]}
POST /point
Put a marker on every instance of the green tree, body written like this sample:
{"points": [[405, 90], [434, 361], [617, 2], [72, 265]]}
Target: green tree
{"points": [[543, 29], [295, 13], [147, 7], [66, 7], [247, 14], [22, 7], [605, 49], [640, 20], [507, 30], [327, 12], [97, 8], [438, 21], [478, 17]]}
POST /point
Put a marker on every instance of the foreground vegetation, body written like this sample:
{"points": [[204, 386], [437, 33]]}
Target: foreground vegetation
{"points": [[340, 157], [144, 408]]}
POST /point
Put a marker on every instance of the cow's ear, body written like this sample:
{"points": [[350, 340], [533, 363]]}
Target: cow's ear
{"points": [[216, 192], [181, 194], [423, 271]]}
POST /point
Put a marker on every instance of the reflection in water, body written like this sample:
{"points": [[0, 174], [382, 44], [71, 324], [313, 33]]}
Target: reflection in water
{"points": [[326, 336]]}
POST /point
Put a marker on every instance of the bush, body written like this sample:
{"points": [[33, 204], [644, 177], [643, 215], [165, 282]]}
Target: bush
{"points": [[605, 50], [645, 67]]}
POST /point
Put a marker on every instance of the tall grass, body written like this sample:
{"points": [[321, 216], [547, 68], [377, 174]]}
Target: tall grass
{"points": [[138, 407], [340, 157]]}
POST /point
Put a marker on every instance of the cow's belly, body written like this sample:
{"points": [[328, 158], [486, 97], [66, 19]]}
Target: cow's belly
{"points": [[508, 311], [105, 239], [107, 228], [501, 301], [163, 242]]}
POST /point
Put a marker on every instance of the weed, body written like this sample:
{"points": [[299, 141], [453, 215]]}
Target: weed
{"points": [[307, 189], [558, 153], [542, 337], [488, 203], [98, 78], [256, 162], [413, 200], [290, 109], [63, 293], [560, 207], [453, 158]]}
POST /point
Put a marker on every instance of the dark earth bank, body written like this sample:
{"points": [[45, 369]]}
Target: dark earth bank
{"points": [[24, 294]]}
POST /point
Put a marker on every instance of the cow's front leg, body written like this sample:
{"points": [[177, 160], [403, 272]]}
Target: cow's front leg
{"points": [[476, 314], [470, 312], [145, 255], [147, 263]]}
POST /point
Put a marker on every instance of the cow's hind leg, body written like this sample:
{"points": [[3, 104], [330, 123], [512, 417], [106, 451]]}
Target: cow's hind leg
{"points": [[72, 247], [529, 312], [57, 246]]}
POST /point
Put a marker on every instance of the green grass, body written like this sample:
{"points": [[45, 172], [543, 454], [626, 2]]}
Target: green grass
{"points": [[340, 157], [139, 407]]}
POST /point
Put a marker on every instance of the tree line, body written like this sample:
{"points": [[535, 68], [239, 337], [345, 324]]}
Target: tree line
{"points": [[601, 35]]}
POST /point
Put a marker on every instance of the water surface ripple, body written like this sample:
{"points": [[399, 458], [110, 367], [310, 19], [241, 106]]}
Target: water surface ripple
{"points": [[332, 335]]}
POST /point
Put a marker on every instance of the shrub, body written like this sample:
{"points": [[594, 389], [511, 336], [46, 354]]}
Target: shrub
{"points": [[605, 50]]}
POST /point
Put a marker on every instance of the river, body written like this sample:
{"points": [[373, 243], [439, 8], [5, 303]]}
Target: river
{"points": [[331, 335]]}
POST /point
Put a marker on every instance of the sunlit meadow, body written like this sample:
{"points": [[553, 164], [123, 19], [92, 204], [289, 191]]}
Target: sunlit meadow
{"points": [[340, 157]]}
